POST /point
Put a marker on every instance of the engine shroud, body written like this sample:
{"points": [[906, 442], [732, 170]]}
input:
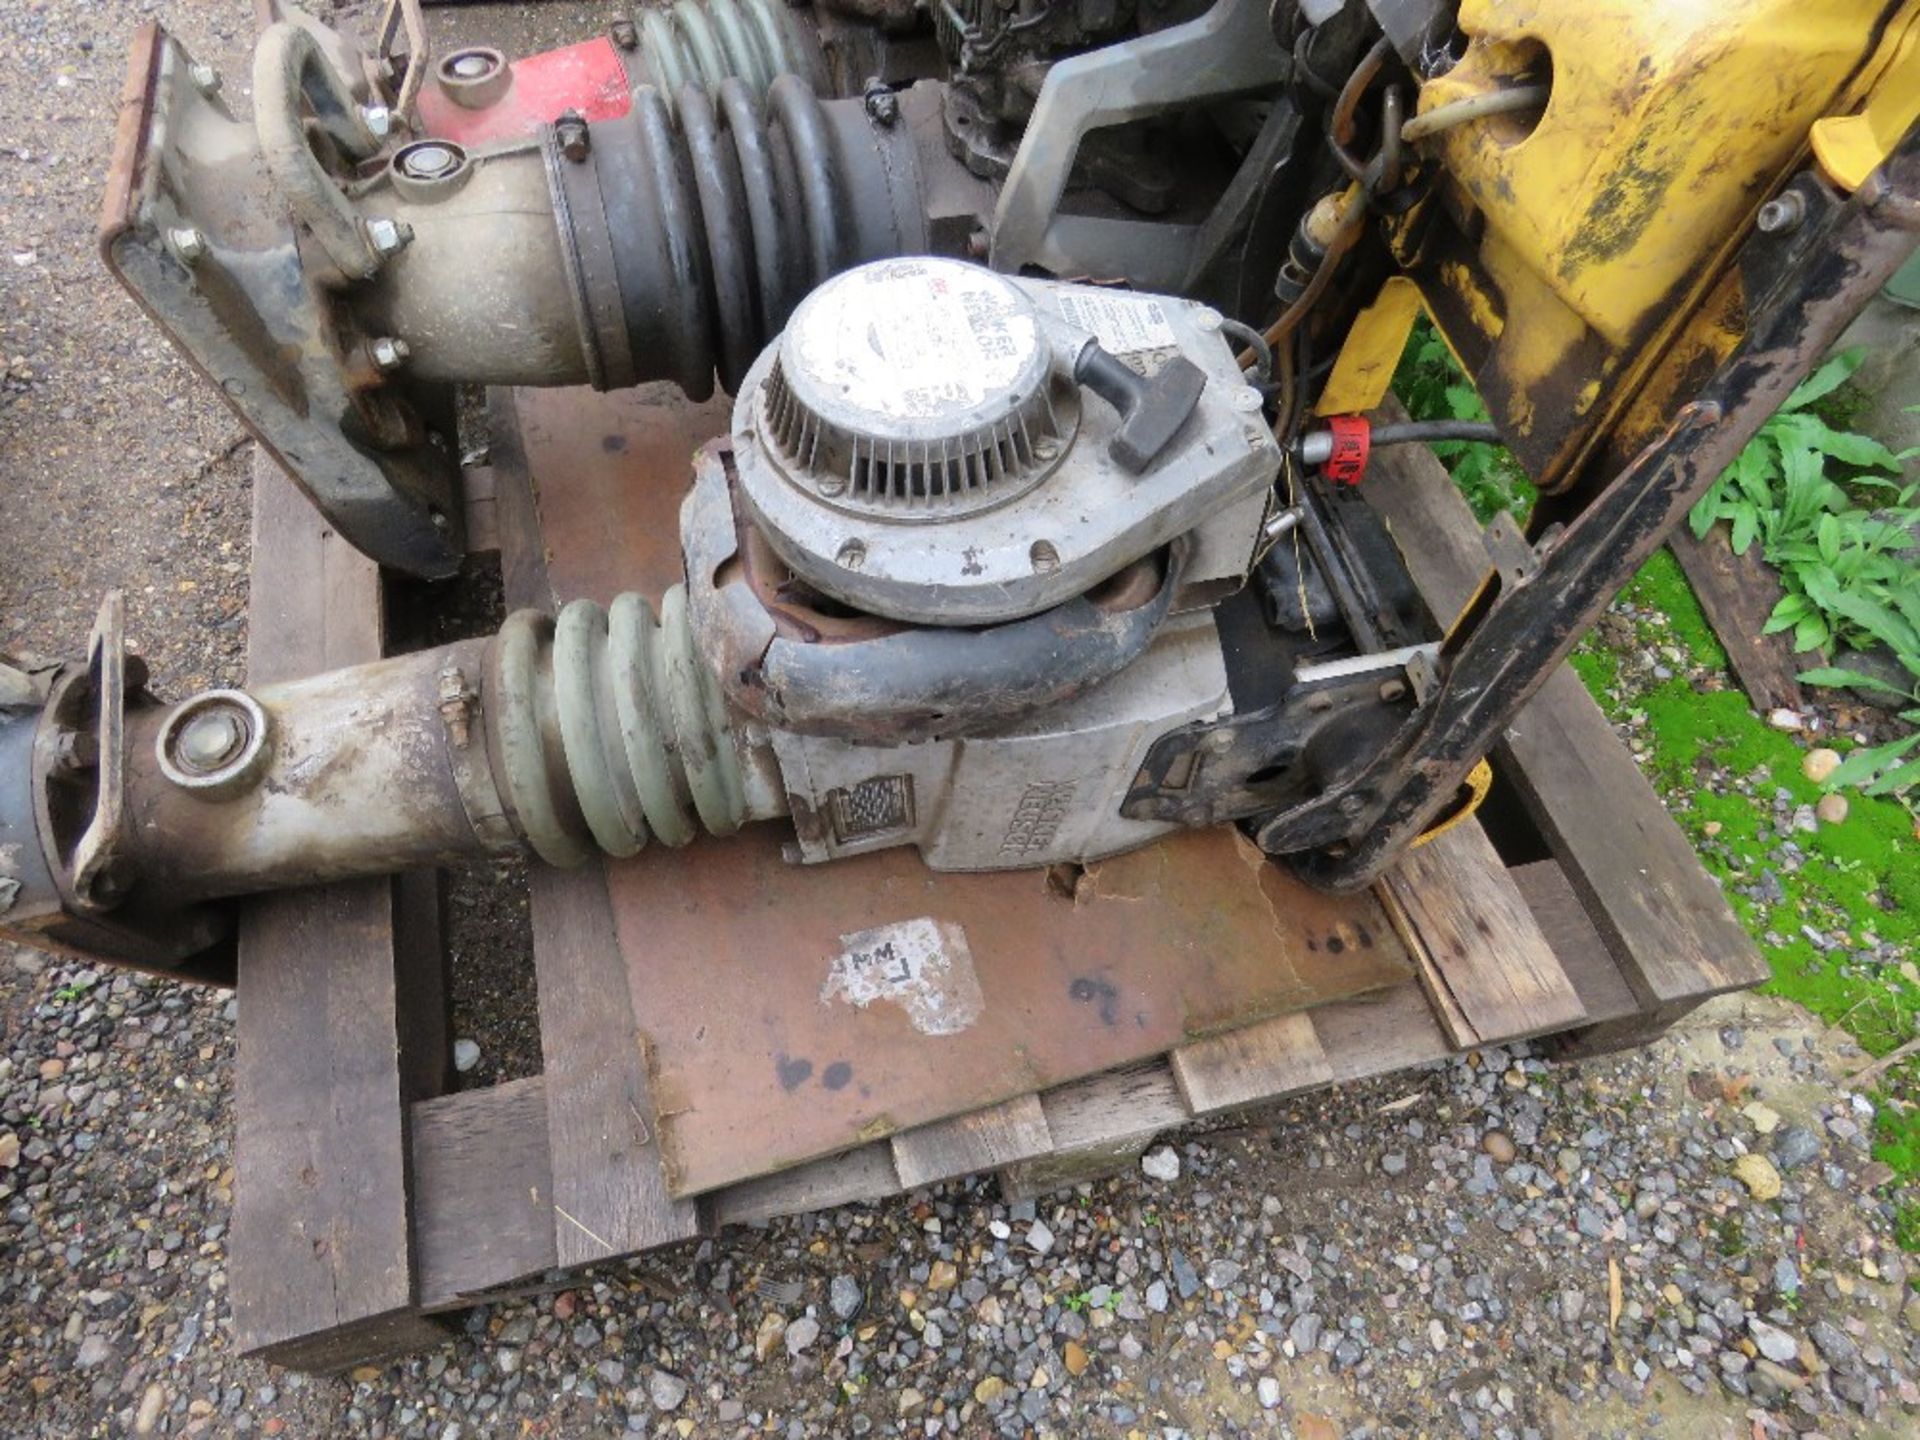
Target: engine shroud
{"points": [[914, 445]]}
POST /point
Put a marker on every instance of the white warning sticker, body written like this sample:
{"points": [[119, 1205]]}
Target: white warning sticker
{"points": [[1124, 324], [922, 965]]}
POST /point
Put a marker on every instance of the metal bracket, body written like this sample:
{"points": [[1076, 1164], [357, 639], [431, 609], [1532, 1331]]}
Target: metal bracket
{"points": [[92, 865], [1230, 50]]}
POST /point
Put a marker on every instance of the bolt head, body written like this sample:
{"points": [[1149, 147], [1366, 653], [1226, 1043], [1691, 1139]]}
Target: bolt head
{"points": [[429, 162], [388, 236], [389, 352], [209, 740], [624, 34], [188, 243], [472, 66], [1220, 741], [1247, 399], [205, 78], [1781, 214], [379, 120]]}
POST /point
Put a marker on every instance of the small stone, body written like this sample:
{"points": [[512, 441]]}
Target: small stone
{"points": [[1305, 1333], [1831, 809], [1756, 1172], [1819, 764], [1074, 1356], [1395, 1164], [1269, 1391], [768, 1337], [9, 1149], [666, 1390], [1785, 719], [989, 1390], [801, 1334], [1221, 1274], [1500, 1147], [1763, 1118], [148, 1415], [1161, 1163], [1184, 1275], [1711, 828], [94, 1351], [51, 1070], [1773, 1342], [845, 1297], [1157, 1297], [1039, 1237], [1836, 1347], [1796, 1146], [466, 1055], [943, 1275]]}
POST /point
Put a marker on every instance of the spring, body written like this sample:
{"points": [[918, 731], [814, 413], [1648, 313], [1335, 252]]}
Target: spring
{"points": [[704, 42], [720, 218], [606, 729]]}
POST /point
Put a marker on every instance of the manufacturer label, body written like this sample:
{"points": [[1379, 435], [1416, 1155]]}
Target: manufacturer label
{"points": [[1123, 324], [1037, 817]]}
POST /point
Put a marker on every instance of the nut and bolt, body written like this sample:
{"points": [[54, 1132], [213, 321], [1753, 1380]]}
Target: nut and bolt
{"points": [[1392, 690], [209, 740], [429, 161], [883, 106], [1220, 741], [205, 78], [570, 134], [188, 243], [1320, 702], [389, 353], [1247, 399], [1782, 214], [623, 34], [388, 237], [379, 120]]}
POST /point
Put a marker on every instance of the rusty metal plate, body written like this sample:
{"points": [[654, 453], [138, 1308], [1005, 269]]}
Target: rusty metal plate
{"points": [[790, 1012]]}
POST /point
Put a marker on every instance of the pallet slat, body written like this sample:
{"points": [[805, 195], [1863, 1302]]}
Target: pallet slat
{"points": [[857, 1175], [1259, 1062], [483, 1207], [1489, 970], [983, 1140], [321, 1275], [1669, 928], [610, 1192]]}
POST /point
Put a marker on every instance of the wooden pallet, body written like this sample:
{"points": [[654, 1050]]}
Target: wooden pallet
{"points": [[369, 1199]]}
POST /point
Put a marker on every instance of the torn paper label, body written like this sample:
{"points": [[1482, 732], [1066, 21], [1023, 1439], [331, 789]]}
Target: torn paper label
{"points": [[1123, 324], [922, 965]]}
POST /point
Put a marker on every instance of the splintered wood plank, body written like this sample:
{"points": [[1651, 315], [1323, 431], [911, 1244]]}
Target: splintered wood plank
{"points": [[483, 1212], [1669, 928], [1243, 1067], [609, 1187], [322, 1273], [1488, 968], [982, 1140], [859, 1175]]}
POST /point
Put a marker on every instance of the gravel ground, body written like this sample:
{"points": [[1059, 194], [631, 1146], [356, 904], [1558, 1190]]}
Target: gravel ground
{"points": [[1687, 1241]]}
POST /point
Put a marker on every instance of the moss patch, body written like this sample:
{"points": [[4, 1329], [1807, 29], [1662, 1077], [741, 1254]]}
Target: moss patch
{"points": [[1840, 922]]}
